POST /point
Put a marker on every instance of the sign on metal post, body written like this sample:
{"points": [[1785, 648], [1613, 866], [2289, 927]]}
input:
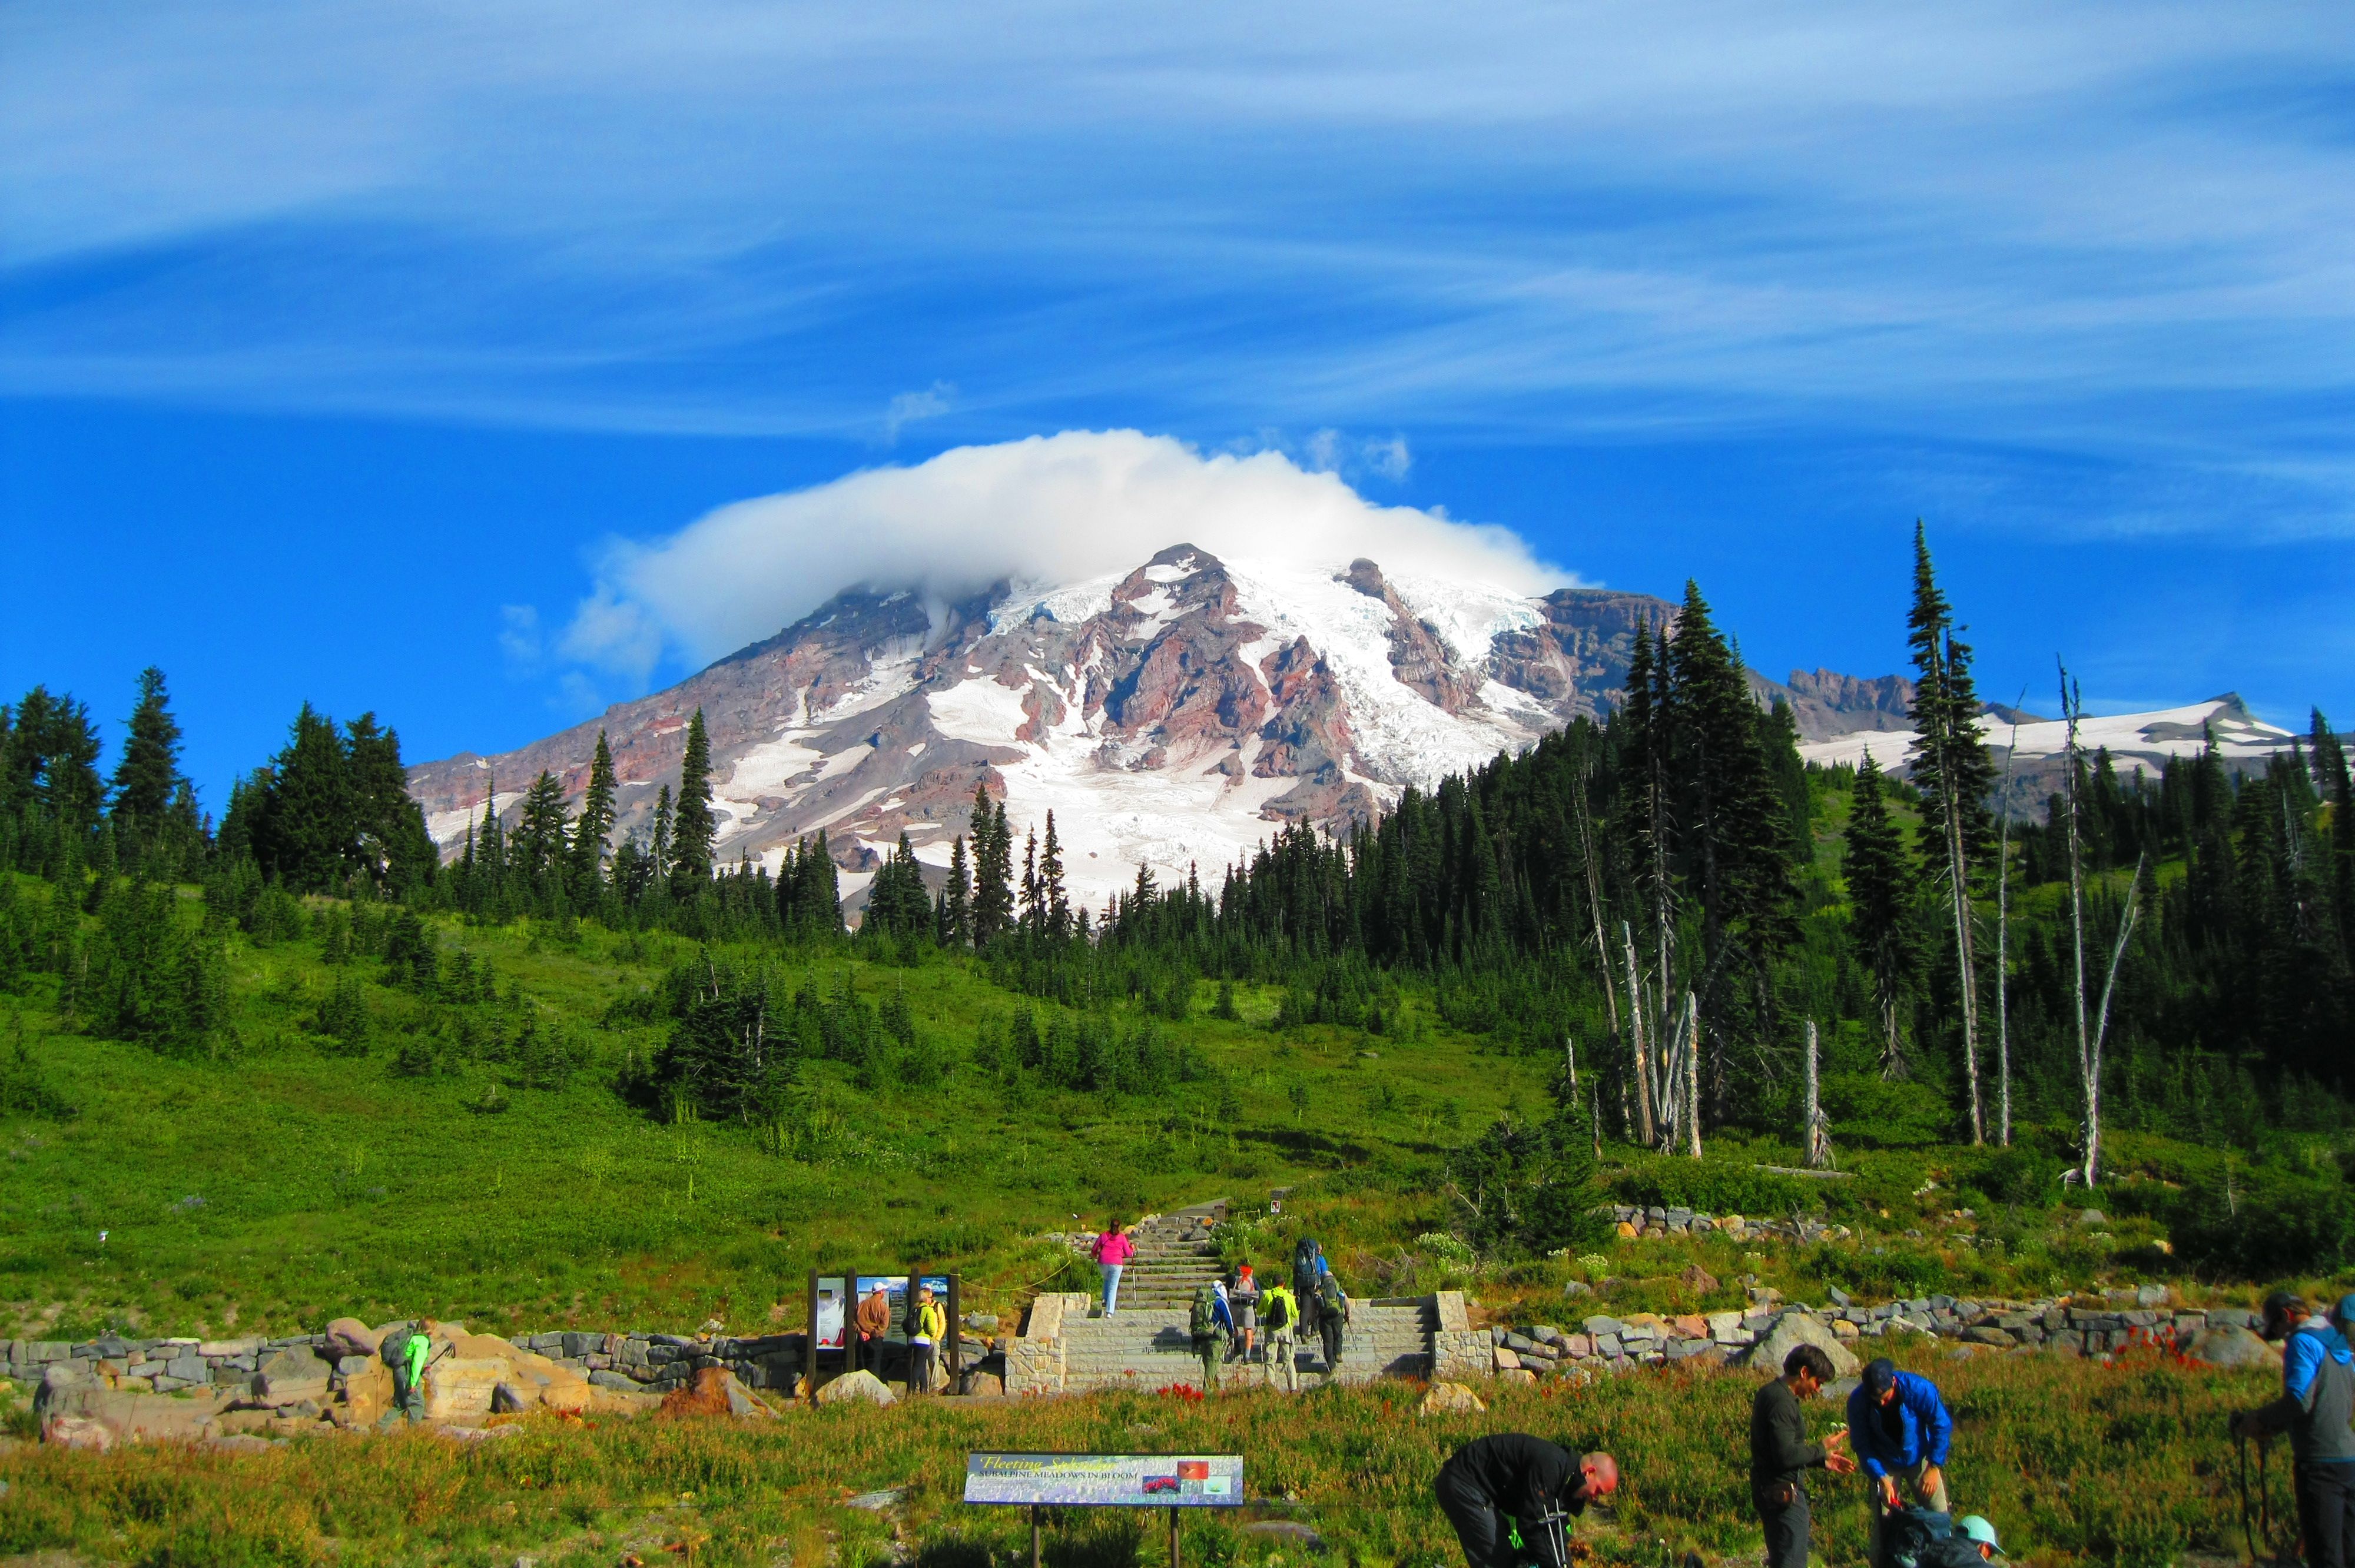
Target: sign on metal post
{"points": [[1173, 1481]]}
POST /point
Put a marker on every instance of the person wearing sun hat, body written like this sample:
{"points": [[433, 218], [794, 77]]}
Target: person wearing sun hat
{"points": [[2316, 1408], [1981, 1535]]}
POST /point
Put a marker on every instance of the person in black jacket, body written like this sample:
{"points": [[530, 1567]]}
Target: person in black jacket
{"points": [[1511, 1496], [1781, 1456]]}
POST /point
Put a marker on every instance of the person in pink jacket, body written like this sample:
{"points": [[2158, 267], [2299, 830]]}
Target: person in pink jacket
{"points": [[1112, 1250]]}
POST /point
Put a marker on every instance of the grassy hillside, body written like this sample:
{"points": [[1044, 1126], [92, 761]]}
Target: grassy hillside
{"points": [[352, 1143], [300, 1174]]}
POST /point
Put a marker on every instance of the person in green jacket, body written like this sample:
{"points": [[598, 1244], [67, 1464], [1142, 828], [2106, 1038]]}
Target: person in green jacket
{"points": [[409, 1351]]}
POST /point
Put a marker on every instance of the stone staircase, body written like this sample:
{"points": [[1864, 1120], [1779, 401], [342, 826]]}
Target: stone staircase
{"points": [[1150, 1347], [1174, 1255]]}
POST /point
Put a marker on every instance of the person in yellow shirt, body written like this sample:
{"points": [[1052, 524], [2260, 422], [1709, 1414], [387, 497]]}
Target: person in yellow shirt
{"points": [[1280, 1315], [927, 1325]]}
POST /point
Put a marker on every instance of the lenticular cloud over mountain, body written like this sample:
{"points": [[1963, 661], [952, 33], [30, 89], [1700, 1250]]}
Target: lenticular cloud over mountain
{"points": [[1050, 509]]}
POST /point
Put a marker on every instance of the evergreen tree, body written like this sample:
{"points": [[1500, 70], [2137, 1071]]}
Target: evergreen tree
{"points": [[393, 845], [992, 850], [658, 850], [1030, 904], [1054, 904], [592, 832], [896, 901], [308, 835], [1950, 767], [541, 849], [692, 828], [956, 900], [2331, 770], [48, 766], [490, 853], [1881, 878], [148, 775]]}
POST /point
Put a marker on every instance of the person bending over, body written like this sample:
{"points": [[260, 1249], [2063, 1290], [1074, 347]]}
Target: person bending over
{"points": [[1902, 1431], [1512, 1496]]}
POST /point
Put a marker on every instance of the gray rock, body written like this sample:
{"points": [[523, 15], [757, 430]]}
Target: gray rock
{"points": [[1599, 1326], [2093, 1217], [1792, 1330], [861, 1385], [2151, 1296], [877, 1502], [1840, 1297], [1290, 1531], [2233, 1347], [1576, 1288], [613, 1380]]}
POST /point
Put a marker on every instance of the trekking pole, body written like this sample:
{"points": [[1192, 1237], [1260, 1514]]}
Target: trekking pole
{"points": [[2248, 1537]]}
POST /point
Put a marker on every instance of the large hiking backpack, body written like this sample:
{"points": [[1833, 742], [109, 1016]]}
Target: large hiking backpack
{"points": [[1910, 1537], [1204, 1323], [1329, 1295], [394, 1349], [1279, 1313]]}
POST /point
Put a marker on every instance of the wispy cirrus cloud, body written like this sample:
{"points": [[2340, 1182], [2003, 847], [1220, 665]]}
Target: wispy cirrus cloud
{"points": [[2118, 231]]}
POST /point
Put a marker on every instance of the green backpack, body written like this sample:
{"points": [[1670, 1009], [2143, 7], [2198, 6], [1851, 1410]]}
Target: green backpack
{"points": [[1204, 1324]]}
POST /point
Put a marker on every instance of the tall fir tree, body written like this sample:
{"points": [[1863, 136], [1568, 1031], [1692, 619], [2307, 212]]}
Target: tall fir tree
{"points": [[2331, 773], [956, 899], [148, 775], [308, 836], [593, 831], [1950, 767], [392, 840], [1031, 908], [542, 838], [1880, 879], [692, 828], [1054, 902], [658, 842], [993, 893]]}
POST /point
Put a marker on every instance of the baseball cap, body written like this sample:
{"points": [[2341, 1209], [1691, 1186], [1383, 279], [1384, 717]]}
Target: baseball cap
{"points": [[1981, 1530], [1879, 1377], [2345, 1313], [2280, 1304]]}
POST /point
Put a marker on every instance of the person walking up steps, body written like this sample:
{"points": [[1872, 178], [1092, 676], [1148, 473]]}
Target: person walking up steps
{"points": [[1511, 1497], [1332, 1315], [1902, 1431], [1282, 1316], [1243, 1296], [1112, 1251], [1781, 1456], [2317, 1400], [1211, 1327]]}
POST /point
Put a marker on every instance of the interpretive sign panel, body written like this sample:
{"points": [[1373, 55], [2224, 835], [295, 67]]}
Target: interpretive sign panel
{"points": [[1106, 1480]]}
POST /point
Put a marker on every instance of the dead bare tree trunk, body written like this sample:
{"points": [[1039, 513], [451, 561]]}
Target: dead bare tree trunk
{"points": [[2102, 1025], [1643, 1124], [1958, 886], [1692, 1075], [2003, 943], [1819, 1132], [2071, 712]]}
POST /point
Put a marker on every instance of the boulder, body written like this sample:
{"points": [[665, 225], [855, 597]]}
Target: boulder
{"points": [[1451, 1399], [1689, 1326], [1790, 1332], [1698, 1278], [350, 1337], [1517, 1375], [2232, 1346], [459, 1388], [290, 1375], [622, 1402], [69, 1416], [861, 1385]]}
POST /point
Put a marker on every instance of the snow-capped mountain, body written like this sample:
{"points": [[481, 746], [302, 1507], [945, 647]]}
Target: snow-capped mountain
{"points": [[2033, 746], [1176, 714]]}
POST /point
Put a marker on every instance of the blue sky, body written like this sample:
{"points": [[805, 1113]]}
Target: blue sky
{"points": [[339, 344]]}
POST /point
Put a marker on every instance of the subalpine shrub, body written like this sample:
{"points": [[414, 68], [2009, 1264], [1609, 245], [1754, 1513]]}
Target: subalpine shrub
{"points": [[2265, 1225]]}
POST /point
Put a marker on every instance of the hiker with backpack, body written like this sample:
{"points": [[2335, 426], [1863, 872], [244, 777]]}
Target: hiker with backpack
{"points": [[2317, 1403], [1511, 1497], [408, 1350], [1243, 1296], [1111, 1252], [1212, 1325], [1781, 1456], [927, 1325], [1902, 1431], [1332, 1315], [1282, 1316]]}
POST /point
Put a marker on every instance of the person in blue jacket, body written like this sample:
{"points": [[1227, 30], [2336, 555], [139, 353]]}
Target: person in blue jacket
{"points": [[2316, 1408], [1900, 1430]]}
